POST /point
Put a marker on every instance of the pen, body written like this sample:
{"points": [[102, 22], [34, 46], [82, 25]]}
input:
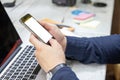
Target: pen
{"points": [[61, 26]]}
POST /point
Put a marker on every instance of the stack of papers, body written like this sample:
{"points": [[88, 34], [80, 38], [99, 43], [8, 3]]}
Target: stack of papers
{"points": [[82, 16]]}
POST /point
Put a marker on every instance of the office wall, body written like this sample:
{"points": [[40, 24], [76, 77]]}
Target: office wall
{"points": [[116, 18], [113, 71], [116, 29]]}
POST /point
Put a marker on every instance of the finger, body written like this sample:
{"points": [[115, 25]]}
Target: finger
{"points": [[38, 44], [47, 26], [54, 43], [33, 40], [51, 28]]}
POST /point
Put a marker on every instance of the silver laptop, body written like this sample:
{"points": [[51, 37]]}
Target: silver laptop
{"points": [[16, 62]]}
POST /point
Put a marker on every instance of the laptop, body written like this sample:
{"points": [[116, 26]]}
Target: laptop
{"points": [[17, 62]]}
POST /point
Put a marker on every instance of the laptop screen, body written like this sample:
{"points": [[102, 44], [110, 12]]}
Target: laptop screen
{"points": [[9, 39]]}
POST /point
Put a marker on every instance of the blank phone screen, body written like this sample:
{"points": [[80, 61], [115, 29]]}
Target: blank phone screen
{"points": [[37, 29]]}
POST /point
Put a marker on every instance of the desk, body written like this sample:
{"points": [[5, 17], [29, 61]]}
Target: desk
{"points": [[44, 8]]}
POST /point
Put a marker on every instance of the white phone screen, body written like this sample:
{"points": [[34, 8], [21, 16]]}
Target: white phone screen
{"points": [[38, 30]]}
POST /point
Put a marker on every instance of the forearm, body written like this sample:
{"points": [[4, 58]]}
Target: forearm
{"points": [[64, 73], [97, 49]]}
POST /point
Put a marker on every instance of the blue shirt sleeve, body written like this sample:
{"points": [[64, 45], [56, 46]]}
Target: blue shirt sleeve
{"points": [[94, 50], [64, 73], [90, 50]]}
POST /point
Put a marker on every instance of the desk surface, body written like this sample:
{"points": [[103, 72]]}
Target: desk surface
{"points": [[45, 9]]}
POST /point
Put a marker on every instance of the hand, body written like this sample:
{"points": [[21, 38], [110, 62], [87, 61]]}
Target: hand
{"points": [[48, 56], [57, 34]]}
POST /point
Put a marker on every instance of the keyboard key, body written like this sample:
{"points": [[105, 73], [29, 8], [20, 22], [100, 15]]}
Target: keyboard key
{"points": [[6, 78], [24, 79], [32, 76], [27, 76], [8, 74]]}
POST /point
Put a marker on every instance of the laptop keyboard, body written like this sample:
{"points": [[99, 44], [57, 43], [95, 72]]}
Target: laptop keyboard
{"points": [[25, 66]]}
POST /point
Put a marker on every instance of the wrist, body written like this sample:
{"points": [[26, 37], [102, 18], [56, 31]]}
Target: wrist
{"points": [[55, 69]]}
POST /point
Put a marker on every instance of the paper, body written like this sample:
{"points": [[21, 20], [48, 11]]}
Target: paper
{"points": [[84, 16], [91, 24]]}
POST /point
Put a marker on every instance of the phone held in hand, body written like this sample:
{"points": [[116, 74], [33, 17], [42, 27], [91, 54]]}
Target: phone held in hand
{"points": [[35, 28]]}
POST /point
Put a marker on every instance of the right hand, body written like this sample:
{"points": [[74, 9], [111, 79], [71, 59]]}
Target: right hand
{"points": [[57, 34]]}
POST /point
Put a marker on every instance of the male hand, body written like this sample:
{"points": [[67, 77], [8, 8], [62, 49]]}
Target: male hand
{"points": [[48, 56], [55, 32]]}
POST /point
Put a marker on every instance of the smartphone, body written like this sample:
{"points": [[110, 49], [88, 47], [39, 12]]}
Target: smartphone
{"points": [[35, 28]]}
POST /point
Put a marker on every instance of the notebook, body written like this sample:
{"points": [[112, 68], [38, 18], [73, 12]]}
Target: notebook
{"points": [[17, 60]]}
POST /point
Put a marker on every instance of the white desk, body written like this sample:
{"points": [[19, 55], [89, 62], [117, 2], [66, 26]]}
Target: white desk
{"points": [[45, 9]]}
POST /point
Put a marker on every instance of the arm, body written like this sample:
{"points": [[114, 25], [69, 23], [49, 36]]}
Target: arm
{"points": [[94, 50]]}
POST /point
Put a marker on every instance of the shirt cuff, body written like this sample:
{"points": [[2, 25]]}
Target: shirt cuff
{"points": [[62, 74]]}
